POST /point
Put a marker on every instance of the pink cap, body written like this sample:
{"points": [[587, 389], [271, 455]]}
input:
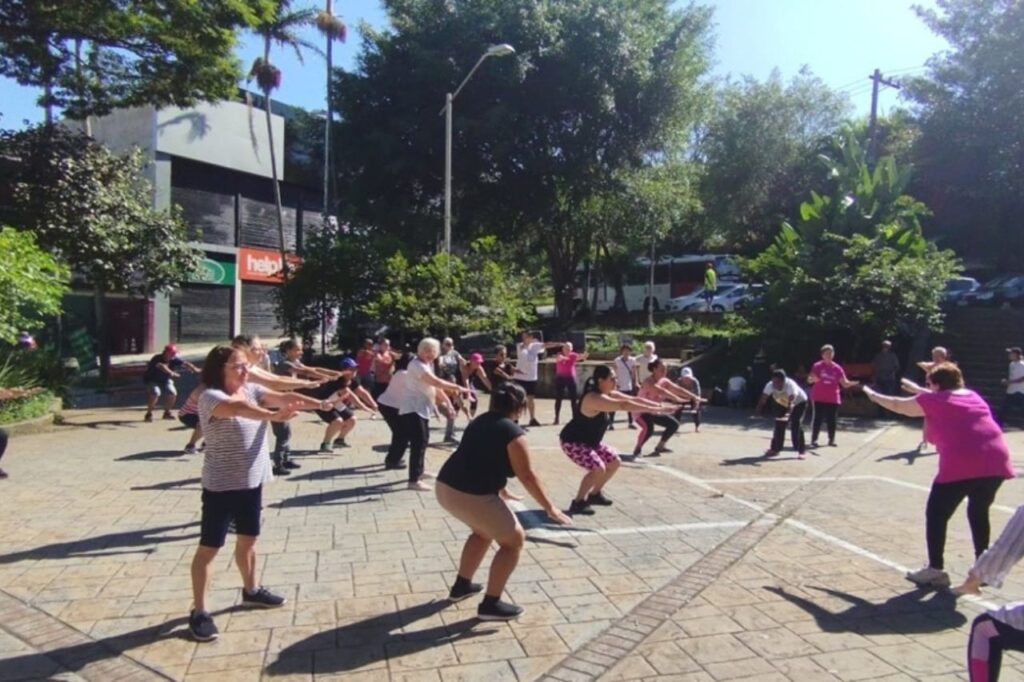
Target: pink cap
{"points": [[171, 349], [477, 358]]}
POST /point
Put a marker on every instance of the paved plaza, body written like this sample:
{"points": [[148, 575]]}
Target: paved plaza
{"points": [[713, 564]]}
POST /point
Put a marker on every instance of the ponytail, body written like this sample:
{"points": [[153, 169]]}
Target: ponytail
{"points": [[601, 372]]}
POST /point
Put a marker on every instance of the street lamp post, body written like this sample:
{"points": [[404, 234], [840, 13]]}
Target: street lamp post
{"points": [[502, 50]]}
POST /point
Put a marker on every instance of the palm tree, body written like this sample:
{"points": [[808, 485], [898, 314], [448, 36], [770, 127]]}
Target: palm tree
{"points": [[281, 30], [333, 29]]}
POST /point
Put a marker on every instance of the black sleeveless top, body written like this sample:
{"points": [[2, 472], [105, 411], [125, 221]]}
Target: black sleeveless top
{"points": [[585, 430]]}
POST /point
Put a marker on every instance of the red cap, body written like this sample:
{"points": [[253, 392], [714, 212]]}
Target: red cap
{"points": [[171, 348]]}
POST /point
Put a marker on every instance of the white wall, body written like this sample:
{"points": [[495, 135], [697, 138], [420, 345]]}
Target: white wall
{"points": [[227, 134]]}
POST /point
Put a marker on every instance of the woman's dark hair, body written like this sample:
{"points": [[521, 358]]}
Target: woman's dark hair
{"points": [[500, 349], [651, 366], [946, 377], [213, 366], [403, 361], [243, 341], [289, 345], [508, 400], [601, 372], [624, 347]]}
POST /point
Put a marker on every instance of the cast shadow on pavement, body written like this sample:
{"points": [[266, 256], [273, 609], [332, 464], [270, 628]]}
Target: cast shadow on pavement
{"points": [[100, 424], [910, 455], [172, 485], [326, 474], [372, 640], [127, 542], [157, 455], [756, 460], [365, 493], [908, 613]]}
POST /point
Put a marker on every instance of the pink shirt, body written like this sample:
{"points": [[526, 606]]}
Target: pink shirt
{"points": [[828, 387], [565, 365], [648, 391], [969, 441]]}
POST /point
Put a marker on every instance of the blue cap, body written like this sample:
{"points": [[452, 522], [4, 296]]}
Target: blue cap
{"points": [[348, 363]]}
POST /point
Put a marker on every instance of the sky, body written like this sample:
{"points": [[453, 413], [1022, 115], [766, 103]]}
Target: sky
{"points": [[841, 41]]}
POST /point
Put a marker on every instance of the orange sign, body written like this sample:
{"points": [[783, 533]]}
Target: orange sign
{"points": [[257, 265]]}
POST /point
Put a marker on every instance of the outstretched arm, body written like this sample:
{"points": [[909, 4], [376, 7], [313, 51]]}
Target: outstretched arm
{"points": [[908, 407]]}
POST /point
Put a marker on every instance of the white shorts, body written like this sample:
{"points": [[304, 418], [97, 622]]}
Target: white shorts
{"points": [[158, 389]]}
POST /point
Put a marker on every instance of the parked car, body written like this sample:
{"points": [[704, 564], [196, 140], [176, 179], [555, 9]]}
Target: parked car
{"points": [[957, 288], [684, 302], [1007, 289], [730, 300]]}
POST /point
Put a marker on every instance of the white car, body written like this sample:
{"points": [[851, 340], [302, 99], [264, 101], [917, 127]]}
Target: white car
{"points": [[685, 302], [725, 301]]}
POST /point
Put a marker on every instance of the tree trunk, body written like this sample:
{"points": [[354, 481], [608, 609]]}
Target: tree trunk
{"points": [[650, 291], [327, 122], [102, 335], [273, 169]]}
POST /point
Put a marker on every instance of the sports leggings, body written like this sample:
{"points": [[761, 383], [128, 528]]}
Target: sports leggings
{"points": [[988, 639], [647, 423], [566, 386], [943, 500], [824, 412]]}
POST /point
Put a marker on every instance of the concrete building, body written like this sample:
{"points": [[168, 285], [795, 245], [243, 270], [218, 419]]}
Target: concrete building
{"points": [[214, 161]]}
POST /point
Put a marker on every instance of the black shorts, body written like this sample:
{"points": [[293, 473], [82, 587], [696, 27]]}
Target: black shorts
{"points": [[221, 508], [189, 420], [529, 386], [328, 416]]}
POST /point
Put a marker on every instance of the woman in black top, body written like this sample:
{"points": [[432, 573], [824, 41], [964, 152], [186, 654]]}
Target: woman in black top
{"points": [[581, 438], [471, 486]]}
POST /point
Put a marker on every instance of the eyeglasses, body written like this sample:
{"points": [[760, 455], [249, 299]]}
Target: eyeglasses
{"points": [[240, 366]]}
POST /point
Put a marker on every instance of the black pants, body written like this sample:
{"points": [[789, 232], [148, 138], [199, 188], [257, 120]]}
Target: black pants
{"points": [[824, 412], [398, 440], [378, 388], [415, 430], [796, 428], [282, 442], [998, 637], [629, 415], [1011, 402], [943, 501], [565, 386], [647, 423], [695, 414], [3, 442]]}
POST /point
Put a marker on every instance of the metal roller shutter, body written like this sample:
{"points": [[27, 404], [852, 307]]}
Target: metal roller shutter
{"points": [[203, 313], [259, 314]]}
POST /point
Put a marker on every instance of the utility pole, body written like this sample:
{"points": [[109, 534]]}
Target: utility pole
{"points": [[876, 82]]}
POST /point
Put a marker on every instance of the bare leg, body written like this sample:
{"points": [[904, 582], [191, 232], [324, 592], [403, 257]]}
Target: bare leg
{"points": [[151, 399], [197, 433], [473, 553], [505, 561], [170, 400], [609, 471], [346, 427], [201, 574], [333, 429], [530, 406], [245, 558], [592, 481]]}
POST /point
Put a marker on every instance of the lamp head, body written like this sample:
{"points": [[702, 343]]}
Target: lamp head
{"points": [[502, 50]]}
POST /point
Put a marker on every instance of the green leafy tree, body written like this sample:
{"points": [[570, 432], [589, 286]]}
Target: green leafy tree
{"points": [[166, 52], [280, 29], [760, 150], [855, 265], [597, 87], [970, 153], [452, 295], [32, 284], [93, 211]]}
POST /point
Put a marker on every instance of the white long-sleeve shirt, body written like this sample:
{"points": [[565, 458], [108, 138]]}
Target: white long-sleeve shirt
{"points": [[993, 565]]}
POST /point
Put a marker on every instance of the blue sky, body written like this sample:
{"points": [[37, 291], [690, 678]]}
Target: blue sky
{"points": [[841, 41]]}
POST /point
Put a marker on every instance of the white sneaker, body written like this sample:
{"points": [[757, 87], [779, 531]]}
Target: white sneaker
{"points": [[929, 577], [421, 487], [429, 475]]}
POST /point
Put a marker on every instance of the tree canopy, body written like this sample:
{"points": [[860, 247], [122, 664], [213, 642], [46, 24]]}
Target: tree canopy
{"points": [[32, 284]]}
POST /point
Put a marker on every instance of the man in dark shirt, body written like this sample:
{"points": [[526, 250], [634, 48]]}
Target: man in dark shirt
{"points": [[161, 371]]}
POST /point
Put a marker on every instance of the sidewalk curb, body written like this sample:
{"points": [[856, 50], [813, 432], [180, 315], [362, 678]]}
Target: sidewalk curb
{"points": [[48, 422]]}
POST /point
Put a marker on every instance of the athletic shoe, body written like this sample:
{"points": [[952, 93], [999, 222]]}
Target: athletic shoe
{"points": [[394, 465], [291, 465], [611, 427], [637, 453], [281, 471], [428, 475], [632, 427], [598, 498], [655, 453], [580, 507], [340, 443], [3, 474], [419, 486], [325, 449], [451, 440], [168, 416], [190, 450], [801, 455], [498, 610], [814, 445], [262, 598], [201, 626], [662, 448], [534, 422], [771, 453], [460, 592], [148, 417], [202, 446], [929, 577], [832, 444]]}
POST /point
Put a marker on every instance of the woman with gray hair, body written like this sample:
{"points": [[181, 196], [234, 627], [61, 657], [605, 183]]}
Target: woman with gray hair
{"points": [[416, 404]]}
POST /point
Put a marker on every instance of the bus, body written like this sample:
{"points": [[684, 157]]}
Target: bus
{"points": [[673, 276]]}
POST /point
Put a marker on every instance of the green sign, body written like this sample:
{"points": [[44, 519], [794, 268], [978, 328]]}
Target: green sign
{"points": [[215, 272], [82, 348]]}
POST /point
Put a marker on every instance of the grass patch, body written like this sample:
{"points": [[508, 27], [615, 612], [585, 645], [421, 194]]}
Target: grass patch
{"points": [[23, 409]]}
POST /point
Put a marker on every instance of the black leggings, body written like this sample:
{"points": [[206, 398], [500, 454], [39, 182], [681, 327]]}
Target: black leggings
{"points": [[398, 440], [3, 442], [629, 415], [282, 438], [824, 412], [943, 501], [795, 424], [989, 638], [565, 385], [415, 430], [647, 423]]}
